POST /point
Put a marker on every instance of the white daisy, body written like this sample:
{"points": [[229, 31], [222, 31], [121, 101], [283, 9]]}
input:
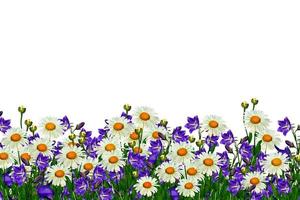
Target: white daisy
{"points": [[145, 117], [181, 152], [119, 128], [88, 165], [7, 159], [208, 163], [193, 170], [269, 139], [57, 175], [70, 156], [169, 172], [146, 186], [214, 124], [112, 161], [187, 188], [42, 146], [50, 128], [275, 164], [108, 144], [254, 179], [15, 138], [256, 121], [152, 134]]}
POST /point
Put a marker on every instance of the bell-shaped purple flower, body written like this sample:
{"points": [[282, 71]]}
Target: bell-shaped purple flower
{"points": [[45, 192], [192, 124], [174, 194], [4, 125], [7, 179], [18, 174], [227, 138], [42, 162], [284, 126], [105, 193], [179, 135], [283, 186], [234, 186], [246, 150], [81, 186]]}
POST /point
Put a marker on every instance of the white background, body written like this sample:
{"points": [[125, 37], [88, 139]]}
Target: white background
{"points": [[86, 59]]}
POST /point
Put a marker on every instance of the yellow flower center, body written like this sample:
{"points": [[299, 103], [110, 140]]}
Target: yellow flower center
{"points": [[170, 170], [16, 137], [276, 162], [71, 155], [147, 184], [254, 181], [255, 119], [134, 136], [188, 185], [59, 173], [25, 156], [208, 161], [118, 126], [50, 126], [155, 135], [182, 151], [3, 156], [144, 116], [192, 171], [110, 147], [213, 124], [88, 166], [42, 147], [267, 138], [113, 159]]}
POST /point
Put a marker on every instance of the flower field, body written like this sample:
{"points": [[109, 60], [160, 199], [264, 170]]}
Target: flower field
{"points": [[136, 155]]}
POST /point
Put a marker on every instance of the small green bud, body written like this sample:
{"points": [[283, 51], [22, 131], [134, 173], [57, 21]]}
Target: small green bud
{"points": [[82, 134], [33, 129], [132, 144], [72, 136], [164, 122], [81, 140], [127, 107], [245, 104], [297, 158], [192, 139], [199, 143], [135, 174], [28, 122], [163, 157], [244, 170], [254, 101], [21, 109]]}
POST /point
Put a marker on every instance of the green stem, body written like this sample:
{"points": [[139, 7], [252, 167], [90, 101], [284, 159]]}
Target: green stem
{"points": [[295, 138], [21, 120]]}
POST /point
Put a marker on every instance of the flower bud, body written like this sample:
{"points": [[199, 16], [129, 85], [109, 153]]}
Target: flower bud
{"points": [[199, 143], [21, 109], [289, 177], [254, 101], [28, 122], [72, 136], [82, 134], [1, 112], [244, 139], [245, 104], [229, 149], [163, 122], [127, 107], [132, 144], [243, 170], [297, 157], [79, 126], [135, 174], [162, 157], [246, 161], [33, 129], [298, 127], [191, 139], [81, 140], [290, 144], [162, 136]]}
